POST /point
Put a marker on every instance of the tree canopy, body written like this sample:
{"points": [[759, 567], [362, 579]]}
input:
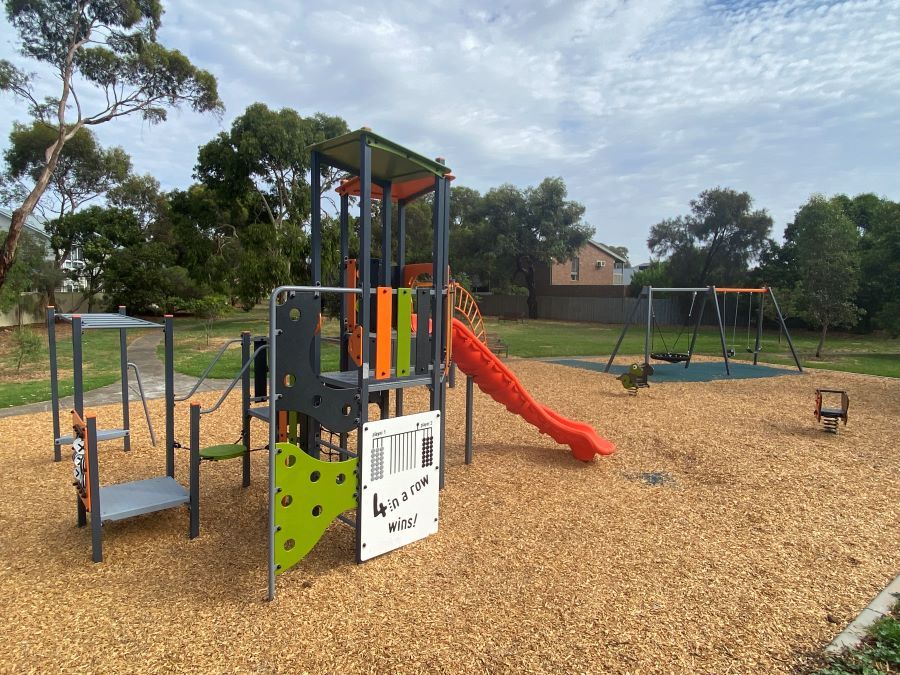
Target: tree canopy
{"points": [[716, 242], [827, 255], [108, 45]]}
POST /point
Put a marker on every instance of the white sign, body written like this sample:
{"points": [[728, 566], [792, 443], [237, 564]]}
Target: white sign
{"points": [[399, 477]]}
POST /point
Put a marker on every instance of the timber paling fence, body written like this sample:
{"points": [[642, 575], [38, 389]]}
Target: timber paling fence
{"points": [[668, 310], [31, 308]]}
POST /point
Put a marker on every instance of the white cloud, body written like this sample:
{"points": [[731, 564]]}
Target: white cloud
{"points": [[637, 105]]}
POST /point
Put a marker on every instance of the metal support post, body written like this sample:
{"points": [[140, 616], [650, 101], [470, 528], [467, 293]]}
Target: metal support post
{"points": [[169, 367], [77, 365], [759, 327], [648, 337], [628, 322], [194, 474], [94, 482], [54, 381], [696, 330], [470, 403], [386, 236], [344, 281], [787, 333], [245, 406], [123, 363], [365, 303], [712, 290]]}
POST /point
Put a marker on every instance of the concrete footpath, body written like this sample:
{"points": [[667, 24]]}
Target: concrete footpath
{"points": [[879, 607], [142, 353]]}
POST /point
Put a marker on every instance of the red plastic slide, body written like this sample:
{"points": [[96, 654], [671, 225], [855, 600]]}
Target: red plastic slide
{"points": [[498, 382]]}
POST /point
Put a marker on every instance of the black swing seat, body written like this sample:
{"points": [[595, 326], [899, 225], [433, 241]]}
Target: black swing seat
{"points": [[670, 357]]}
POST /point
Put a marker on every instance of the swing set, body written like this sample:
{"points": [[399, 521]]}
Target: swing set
{"points": [[705, 294]]}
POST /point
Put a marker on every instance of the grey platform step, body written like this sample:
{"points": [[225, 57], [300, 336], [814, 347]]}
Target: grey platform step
{"points": [[349, 379], [126, 500], [261, 412], [831, 412], [102, 435]]}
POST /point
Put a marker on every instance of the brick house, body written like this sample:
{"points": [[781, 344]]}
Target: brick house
{"points": [[593, 265]]}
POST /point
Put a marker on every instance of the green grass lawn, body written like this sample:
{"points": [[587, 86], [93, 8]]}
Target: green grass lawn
{"points": [[31, 382], [193, 353], [869, 354]]}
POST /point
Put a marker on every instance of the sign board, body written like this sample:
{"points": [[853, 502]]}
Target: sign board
{"points": [[399, 475]]}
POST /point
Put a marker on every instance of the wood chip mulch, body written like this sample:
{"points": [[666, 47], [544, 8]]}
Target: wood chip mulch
{"points": [[727, 534]]}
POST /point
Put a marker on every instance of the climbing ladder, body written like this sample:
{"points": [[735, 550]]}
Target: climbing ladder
{"points": [[466, 309]]}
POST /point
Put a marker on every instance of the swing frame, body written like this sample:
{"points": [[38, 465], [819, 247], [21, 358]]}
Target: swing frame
{"points": [[706, 293]]}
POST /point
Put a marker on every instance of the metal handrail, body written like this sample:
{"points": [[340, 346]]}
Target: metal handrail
{"points": [[236, 379], [137, 377], [208, 370]]}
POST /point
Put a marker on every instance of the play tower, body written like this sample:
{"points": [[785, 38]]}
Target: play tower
{"points": [[389, 470]]}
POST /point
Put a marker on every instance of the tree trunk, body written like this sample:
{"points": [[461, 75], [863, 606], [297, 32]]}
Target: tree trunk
{"points": [[532, 294], [821, 341], [20, 215]]}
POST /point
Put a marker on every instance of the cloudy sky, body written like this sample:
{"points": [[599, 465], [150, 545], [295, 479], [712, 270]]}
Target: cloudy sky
{"points": [[639, 105]]}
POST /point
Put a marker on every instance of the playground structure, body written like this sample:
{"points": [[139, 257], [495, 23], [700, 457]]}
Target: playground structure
{"points": [[830, 415], [80, 323], [327, 459], [705, 294]]}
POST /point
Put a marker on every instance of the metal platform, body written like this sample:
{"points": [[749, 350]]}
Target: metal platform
{"points": [[126, 500], [349, 379], [260, 413], [104, 435], [109, 321]]}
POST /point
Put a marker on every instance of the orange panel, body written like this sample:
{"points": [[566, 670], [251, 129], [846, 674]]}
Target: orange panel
{"points": [[354, 345], [742, 290], [411, 272], [281, 433], [399, 191], [79, 426], [351, 278], [383, 342]]}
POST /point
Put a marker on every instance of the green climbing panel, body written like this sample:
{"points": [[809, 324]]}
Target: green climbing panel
{"points": [[404, 328], [309, 494]]}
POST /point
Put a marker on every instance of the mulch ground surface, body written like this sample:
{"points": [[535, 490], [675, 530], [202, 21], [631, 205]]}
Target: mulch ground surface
{"points": [[727, 534]]}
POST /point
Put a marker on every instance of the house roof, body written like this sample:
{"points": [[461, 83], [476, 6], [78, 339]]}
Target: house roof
{"points": [[608, 251], [32, 224]]}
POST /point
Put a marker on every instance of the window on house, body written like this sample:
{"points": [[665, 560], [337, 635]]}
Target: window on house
{"points": [[575, 269], [619, 273]]}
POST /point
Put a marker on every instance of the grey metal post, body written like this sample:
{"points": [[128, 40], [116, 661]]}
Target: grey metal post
{"points": [[401, 262], [696, 330], [386, 235], [77, 365], [451, 376], [315, 227], [365, 309], [245, 406], [344, 281], [648, 337], [470, 403], [194, 473], [94, 481], [54, 381], [628, 323], [439, 269], [401, 236], [787, 333], [123, 358], [712, 289], [273, 438], [759, 325], [169, 366]]}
